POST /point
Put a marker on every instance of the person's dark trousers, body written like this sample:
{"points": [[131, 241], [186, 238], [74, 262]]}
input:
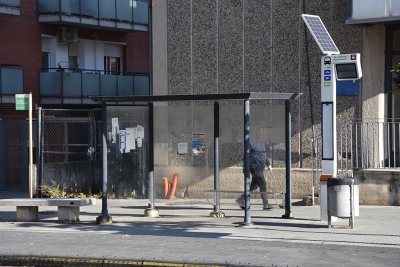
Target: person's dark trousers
{"points": [[258, 180]]}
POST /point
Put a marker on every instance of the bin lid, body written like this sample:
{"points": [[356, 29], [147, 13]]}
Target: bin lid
{"points": [[342, 181]]}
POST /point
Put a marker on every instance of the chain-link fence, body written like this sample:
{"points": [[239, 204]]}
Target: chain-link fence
{"points": [[67, 150], [70, 155]]}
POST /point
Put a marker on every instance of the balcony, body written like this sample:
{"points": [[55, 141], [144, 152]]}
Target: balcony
{"points": [[11, 82], [10, 7], [69, 86], [124, 15], [373, 11]]}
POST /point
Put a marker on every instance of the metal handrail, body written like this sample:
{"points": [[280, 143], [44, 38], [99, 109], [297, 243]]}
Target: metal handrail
{"points": [[372, 143]]}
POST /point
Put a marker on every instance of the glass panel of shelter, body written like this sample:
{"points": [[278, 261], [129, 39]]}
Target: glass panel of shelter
{"points": [[184, 144], [128, 144]]}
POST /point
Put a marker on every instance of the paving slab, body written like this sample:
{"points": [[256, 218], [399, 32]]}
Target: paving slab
{"points": [[184, 233]]}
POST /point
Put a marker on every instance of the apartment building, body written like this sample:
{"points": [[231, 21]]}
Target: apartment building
{"points": [[61, 52]]}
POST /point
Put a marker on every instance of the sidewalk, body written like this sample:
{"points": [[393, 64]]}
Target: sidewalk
{"points": [[185, 235]]}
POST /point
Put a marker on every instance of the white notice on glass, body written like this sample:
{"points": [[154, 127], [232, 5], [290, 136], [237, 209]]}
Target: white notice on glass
{"points": [[182, 148], [139, 142], [130, 139], [122, 141], [114, 125], [140, 131], [114, 129]]}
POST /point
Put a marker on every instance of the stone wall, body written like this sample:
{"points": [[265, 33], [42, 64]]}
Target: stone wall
{"points": [[233, 46], [379, 187], [192, 181]]}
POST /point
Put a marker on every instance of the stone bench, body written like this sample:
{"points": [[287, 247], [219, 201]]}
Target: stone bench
{"points": [[28, 208]]}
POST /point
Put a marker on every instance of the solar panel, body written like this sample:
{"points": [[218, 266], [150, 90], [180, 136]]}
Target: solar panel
{"points": [[320, 34]]}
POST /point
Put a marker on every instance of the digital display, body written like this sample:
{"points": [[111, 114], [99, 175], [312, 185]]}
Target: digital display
{"points": [[327, 131], [346, 71]]}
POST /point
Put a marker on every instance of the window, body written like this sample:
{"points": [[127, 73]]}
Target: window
{"points": [[45, 54], [73, 53], [112, 65], [112, 58], [73, 62], [45, 61]]}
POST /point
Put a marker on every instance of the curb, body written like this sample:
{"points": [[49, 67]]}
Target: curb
{"points": [[72, 262]]}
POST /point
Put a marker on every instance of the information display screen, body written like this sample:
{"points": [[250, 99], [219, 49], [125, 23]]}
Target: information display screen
{"points": [[346, 71]]}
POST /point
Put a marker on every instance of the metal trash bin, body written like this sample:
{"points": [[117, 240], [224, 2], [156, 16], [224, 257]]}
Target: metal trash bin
{"points": [[343, 199]]}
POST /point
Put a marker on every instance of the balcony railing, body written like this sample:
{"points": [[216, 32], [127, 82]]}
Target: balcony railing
{"points": [[14, 3], [81, 83], [10, 7], [372, 11], [11, 82], [106, 13]]}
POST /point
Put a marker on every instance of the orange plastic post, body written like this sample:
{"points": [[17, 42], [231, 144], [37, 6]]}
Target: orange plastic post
{"points": [[173, 188], [166, 187]]}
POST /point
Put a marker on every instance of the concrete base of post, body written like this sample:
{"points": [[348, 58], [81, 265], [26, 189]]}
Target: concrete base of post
{"points": [[104, 220], [151, 212], [218, 214], [246, 225], [287, 215]]}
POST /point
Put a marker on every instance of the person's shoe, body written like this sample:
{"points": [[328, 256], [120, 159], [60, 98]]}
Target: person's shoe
{"points": [[268, 207], [240, 203]]}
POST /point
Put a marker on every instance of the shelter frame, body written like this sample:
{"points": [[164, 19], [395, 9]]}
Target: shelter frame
{"points": [[246, 97]]}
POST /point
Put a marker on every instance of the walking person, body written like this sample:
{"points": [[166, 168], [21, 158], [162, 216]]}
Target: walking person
{"points": [[258, 162]]}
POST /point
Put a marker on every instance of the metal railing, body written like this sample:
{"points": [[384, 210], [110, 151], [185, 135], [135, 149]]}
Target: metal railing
{"points": [[11, 3], [64, 82], [130, 11], [363, 144]]}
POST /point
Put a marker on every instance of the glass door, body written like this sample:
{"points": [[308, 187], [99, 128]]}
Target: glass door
{"points": [[393, 95]]}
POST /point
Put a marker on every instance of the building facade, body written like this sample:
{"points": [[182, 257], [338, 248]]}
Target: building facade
{"points": [[224, 46], [68, 49], [61, 52]]}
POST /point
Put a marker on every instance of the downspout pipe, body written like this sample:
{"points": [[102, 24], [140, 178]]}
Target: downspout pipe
{"points": [[151, 211]]}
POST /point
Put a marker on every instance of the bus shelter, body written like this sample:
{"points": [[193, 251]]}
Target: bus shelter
{"points": [[104, 218]]}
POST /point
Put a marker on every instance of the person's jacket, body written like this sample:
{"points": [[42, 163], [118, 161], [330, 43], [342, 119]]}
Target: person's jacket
{"points": [[258, 160]]}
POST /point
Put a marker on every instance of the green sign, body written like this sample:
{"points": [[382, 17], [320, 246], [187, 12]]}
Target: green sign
{"points": [[21, 102]]}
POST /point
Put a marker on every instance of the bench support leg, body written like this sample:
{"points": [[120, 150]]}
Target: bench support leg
{"points": [[68, 214], [27, 214]]}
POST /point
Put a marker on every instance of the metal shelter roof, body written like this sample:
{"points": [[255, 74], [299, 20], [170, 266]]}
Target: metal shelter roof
{"points": [[205, 97]]}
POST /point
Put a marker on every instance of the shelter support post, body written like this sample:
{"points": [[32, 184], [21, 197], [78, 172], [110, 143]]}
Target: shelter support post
{"points": [[247, 218], [216, 212], [104, 218], [288, 195], [151, 211]]}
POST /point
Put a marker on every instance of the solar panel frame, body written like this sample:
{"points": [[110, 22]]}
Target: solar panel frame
{"points": [[320, 34]]}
